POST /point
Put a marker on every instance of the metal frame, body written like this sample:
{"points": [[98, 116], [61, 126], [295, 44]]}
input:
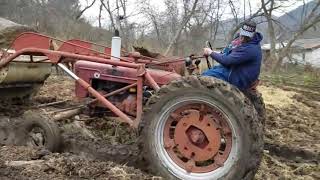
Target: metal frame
{"points": [[22, 47], [78, 47]]}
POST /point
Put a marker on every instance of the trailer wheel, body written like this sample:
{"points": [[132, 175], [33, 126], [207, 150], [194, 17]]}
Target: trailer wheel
{"points": [[202, 128], [38, 130]]}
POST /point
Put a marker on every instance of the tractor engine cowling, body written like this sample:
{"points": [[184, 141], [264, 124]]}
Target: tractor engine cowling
{"points": [[107, 78]]}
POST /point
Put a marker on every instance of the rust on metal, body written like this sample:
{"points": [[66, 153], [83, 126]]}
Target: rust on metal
{"points": [[41, 41], [152, 82], [129, 70], [139, 102], [115, 92], [195, 138], [104, 101]]}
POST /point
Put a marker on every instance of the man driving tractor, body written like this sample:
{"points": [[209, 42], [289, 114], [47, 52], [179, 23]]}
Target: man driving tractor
{"points": [[240, 61]]}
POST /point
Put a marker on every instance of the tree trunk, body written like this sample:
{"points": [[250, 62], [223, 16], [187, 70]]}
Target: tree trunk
{"points": [[271, 31], [184, 23], [108, 9], [310, 21], [100, 15], [84, 10], [155, 24]]}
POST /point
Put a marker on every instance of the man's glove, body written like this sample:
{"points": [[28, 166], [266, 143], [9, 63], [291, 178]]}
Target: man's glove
{"points": [[207, 51]]}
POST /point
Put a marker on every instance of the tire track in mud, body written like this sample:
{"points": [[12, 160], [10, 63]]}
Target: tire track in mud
{"points": [[20, 162], [291, 134], [288, 152], [294, 154], [129, 154]]}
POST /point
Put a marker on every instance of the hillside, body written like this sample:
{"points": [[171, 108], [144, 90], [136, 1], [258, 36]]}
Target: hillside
{"points": [[290, 22]]}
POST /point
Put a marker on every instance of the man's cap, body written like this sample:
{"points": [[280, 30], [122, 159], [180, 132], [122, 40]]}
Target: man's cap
{"points": [[248, 29]]}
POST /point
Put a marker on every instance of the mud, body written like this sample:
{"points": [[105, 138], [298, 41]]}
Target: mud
{"points": [[296, 122], [291, 133], [61, 166]]}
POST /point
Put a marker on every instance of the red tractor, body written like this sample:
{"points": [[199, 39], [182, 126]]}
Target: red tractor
{"points": [[191, 127]]}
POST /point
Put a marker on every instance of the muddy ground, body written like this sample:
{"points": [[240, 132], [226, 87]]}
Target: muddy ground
{"points": [[292, 135]]}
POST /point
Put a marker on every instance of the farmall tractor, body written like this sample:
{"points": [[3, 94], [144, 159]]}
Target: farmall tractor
{"points": [[191, 127]]}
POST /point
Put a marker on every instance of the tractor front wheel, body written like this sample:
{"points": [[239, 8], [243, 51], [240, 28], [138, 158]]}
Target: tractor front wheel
{"points": [[202, 128], [37, 130]]}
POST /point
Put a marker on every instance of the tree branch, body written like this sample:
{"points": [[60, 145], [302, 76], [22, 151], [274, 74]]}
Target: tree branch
{"points": [[86, 8], [108, 9], [186, 20], [311, 20]]}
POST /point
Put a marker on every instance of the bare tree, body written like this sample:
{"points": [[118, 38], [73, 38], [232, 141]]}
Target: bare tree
{"points": [[153, 16], [85, 8], [100, 15], [309, 21], [183, 24], [110, 12], [124, 28], [202, 26], [268, 14], [214, 22], [237, 24]]}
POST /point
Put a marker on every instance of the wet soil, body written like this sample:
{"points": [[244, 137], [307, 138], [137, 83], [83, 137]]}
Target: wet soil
{"points": [[292, 135], [48, 165]]}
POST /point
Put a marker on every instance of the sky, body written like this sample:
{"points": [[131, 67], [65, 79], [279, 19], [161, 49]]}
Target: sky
{"points": [[133, 7]]}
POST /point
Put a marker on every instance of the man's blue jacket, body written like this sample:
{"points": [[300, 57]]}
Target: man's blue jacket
{"points": [[241, 67]]}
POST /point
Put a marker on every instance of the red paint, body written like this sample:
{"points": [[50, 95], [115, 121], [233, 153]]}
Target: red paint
{"points": [[31, 40], [86, 71], [129, 70], [84, 48], [196, 137]]}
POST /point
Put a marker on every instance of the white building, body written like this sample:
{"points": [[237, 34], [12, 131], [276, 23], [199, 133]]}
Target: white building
{"points": [[304, 51]]}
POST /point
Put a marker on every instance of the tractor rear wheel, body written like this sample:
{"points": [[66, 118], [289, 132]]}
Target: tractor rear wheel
{"points": [[257, 100], [202, 128]]}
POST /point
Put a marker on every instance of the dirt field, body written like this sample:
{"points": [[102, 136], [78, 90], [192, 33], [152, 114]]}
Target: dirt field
{"points": [[292, 135]]}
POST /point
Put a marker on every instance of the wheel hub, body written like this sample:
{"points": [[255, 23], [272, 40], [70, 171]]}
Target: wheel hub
{"points": [[36, 137], [197, 138]]}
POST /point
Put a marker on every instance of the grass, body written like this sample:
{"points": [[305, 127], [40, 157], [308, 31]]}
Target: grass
{"points": [[294, 76]]}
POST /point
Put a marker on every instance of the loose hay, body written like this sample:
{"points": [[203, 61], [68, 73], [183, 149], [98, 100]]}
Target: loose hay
{"points": [[277, 97]]}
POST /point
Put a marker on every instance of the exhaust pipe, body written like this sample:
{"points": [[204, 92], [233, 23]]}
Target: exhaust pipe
{"points": [[116, 42], [115, 48]]}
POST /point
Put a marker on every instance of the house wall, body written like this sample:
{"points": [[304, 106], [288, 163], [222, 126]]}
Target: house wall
{"points": [[312, 57]]}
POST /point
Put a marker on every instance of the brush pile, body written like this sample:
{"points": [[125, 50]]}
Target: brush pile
{"points": [[10, 30]]}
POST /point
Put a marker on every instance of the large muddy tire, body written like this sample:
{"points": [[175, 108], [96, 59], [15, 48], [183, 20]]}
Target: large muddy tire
{"points": [[257, 100], [202, 128], [37, 129]]}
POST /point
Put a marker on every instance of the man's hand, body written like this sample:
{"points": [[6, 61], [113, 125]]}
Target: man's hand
{"points": [[207, 51]]}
